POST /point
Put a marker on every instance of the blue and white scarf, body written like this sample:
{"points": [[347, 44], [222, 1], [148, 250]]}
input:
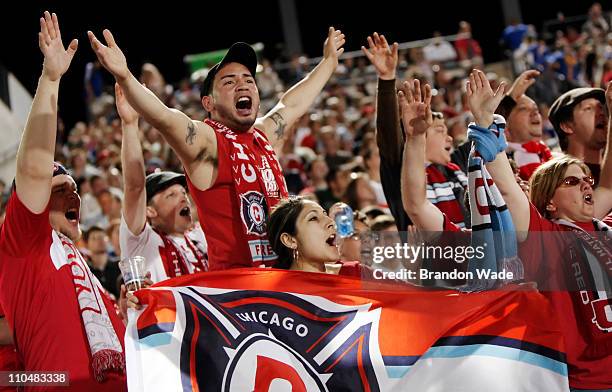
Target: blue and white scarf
{"points": [[492, 225]]}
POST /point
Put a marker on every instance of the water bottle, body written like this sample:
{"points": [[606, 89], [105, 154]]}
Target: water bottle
{"points": [[344, 222]]}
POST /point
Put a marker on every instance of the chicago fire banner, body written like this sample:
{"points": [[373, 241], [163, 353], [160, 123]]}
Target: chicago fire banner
{"points": [[270, 330]]}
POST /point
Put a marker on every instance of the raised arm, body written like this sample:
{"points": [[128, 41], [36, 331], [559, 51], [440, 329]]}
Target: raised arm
{"points": [[132, 164], [388, 131], [522, 83], [417, 118], [603, 192], [483, 101], [193, 141], [296, 101], [37, 148]]}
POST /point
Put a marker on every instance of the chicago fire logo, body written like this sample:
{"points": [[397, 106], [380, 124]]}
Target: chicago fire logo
{"points": [[241, 340], [253, 211]]}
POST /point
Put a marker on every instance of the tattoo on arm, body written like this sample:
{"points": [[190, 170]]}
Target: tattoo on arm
{"points": [[280, 124], [190, 133]]}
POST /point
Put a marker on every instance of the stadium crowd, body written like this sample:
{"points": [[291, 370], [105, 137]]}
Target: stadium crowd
{"points": [[149, 154]]}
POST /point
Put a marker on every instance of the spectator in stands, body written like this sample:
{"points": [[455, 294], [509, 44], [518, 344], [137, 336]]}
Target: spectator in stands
{"points": [[316, 171], [94, 87], [230, 96], [113, 234], [446, 182], [383, 223], [334, 156], [371, 161], [372, 212], [154, 80], [607, 72], [562, 200], [268, 82], [337, 179], [419, 67], [359, 193], [100, 262], [439, 50], [304, 237], [524, 126], [579, 117], [110, 200], [468, 49], [596, 25], [513, 34], [58, 309], [390, 141], [156, 219], [512, 38]]}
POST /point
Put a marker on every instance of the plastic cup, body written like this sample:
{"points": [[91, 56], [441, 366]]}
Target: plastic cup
{"points": [[133, 272]]}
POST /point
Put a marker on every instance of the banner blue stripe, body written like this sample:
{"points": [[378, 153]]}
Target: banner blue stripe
{"points": [[498, 352]]}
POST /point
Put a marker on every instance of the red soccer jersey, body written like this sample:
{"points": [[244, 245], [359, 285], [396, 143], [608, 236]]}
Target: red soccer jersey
{"points": [[585, 370], [224, 215], [40, 301]]}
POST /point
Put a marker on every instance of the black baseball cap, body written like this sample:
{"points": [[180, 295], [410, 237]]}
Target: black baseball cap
{"points": [[239, 52], [561, 109], [159, 181]]}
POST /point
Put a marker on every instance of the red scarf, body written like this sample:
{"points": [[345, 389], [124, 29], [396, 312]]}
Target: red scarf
{"points": [[175, 262], [258, 180], [528, 156], [592, 255]]}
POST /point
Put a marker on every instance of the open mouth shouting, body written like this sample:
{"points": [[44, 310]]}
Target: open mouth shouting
{"points": [[72, 215], [601, 125], [244, 106], [588, 198], [185, 212], [331, 240]]}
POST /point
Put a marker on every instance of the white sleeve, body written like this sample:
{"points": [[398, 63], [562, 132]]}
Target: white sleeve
{"points": [[131, 244], [145, 244]]}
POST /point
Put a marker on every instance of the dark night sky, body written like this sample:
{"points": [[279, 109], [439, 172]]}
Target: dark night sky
{"points": [[164, 34]]}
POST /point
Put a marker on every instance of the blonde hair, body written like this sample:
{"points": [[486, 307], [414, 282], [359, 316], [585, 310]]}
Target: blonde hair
{"points": [[548, 177]]}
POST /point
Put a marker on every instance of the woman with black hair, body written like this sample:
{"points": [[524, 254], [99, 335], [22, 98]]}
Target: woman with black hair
{"points": [[304, 238]]}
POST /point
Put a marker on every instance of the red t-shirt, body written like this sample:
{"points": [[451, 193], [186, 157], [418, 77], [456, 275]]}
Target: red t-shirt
{"points": [[40, 302], [584, 372]]}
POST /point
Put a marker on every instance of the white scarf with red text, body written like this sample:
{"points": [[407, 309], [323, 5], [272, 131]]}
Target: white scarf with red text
{"points": [[106, 350]]}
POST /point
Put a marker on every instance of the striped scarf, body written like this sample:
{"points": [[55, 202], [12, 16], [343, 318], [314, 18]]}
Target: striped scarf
{"points": [[106, 351], [492, 225], [593, 255], [445, 189]]}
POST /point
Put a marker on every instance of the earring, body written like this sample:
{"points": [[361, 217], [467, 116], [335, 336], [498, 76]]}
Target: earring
{"points": [[296, 254]]}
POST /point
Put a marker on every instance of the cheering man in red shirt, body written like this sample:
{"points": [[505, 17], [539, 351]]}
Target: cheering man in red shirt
{"points": [[232, 171], [61, 318]]}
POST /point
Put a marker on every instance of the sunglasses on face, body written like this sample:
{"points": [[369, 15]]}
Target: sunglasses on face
{"points": [[573, 180]]}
